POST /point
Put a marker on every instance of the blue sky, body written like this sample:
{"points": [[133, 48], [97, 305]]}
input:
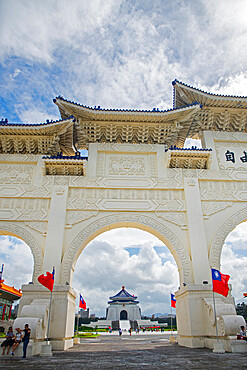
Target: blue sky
{"points": [[119, 54], [116, 54]]}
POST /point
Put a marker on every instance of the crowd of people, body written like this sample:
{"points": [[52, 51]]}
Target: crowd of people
{"points": [[14, 340]]}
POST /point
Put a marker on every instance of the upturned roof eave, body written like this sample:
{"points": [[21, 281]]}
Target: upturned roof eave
{"points": [[42, 128], [110, 114], [181, 91]]}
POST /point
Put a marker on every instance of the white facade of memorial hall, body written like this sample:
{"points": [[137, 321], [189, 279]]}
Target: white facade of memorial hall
{"points": [[137, 175]]}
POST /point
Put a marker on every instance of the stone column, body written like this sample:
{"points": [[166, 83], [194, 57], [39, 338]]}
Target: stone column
{"points": [[196, 231], [55, 232]]}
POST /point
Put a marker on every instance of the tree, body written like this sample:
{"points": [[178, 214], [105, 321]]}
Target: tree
{"points": [[241, 309]]}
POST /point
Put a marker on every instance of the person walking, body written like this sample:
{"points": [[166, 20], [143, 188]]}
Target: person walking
{"points": [[27, 332]]}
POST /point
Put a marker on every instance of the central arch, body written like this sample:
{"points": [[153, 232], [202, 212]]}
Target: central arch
{"points": [[138, 221], [220, 237]]}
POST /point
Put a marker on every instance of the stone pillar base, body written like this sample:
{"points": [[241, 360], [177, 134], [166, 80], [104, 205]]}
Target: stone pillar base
{"points": [[46, 349], [61, 345], [172, 339], [76, 340], [191, 342], [239, 346], [62, 315], [218, 347]]}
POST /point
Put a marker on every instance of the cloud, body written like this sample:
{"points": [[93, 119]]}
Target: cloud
{"points": [[18, 261], [36, 33], [238, 238], [118, 54], [234, 264], [145, 274], [34, 115], [16, 73]]}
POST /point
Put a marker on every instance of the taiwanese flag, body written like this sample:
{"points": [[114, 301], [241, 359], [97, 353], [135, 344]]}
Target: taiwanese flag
{"points": [[48, 280], [173, 301], [1, 275], [82, 303], [220, 282]]}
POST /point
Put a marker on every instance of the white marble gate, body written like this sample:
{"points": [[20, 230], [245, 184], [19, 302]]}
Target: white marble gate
{"points": [[137, 175]]}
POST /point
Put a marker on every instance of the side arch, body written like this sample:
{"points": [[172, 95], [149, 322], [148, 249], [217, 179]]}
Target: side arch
{"points": [[138, 221], [219, 239], [27, 237]]}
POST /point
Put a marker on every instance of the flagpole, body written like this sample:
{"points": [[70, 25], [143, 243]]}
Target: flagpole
{"points": [[215, 316], [78, 315], [171, 320], [49, 316], [171, 312], [48, 326]]}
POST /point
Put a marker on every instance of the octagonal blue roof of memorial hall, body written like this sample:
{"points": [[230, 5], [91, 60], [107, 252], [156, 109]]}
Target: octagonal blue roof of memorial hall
{"points": [[123, 296]]}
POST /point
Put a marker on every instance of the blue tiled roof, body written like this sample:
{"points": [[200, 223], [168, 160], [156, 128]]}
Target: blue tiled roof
{"points": [[123, 294], [154, 110], [61, 156], [123, 300], [208, 93], [193, 148], [4, 123]]}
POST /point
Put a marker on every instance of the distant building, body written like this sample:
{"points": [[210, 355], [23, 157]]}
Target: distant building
{"points": [[7, 297], [123, 306], [84, 314]]}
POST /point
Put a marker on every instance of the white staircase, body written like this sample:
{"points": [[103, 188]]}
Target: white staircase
{"points": [[124, 325]]}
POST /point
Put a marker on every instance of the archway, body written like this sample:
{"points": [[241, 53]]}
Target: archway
{"points": [[123, 315], [21, 233], [226, 227], [17, 269], [130, 257], [135, 220], [234, 260]]}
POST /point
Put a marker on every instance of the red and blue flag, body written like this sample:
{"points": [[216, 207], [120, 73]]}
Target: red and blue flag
{"points": [[48, 280], [220, 282], [1, 274], [82, 303], [173, 301]]}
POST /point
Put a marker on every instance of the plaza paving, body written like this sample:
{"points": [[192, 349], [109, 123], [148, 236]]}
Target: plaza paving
{"points": [[143, 351]]}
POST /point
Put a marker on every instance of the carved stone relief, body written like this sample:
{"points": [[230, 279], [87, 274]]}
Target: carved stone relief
{"points": [[101, 164], [13, 174], [24, 214], [230, 136], [174, 217], [172, 179], [61, 180], [74, 248], [18, 158], [74, 217], [92, 199], [28, 238], [224, 190], [115, 147], [97, 194], [81, 181], [210, 208], [41, 227], [24, 203], [126, 165]]}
